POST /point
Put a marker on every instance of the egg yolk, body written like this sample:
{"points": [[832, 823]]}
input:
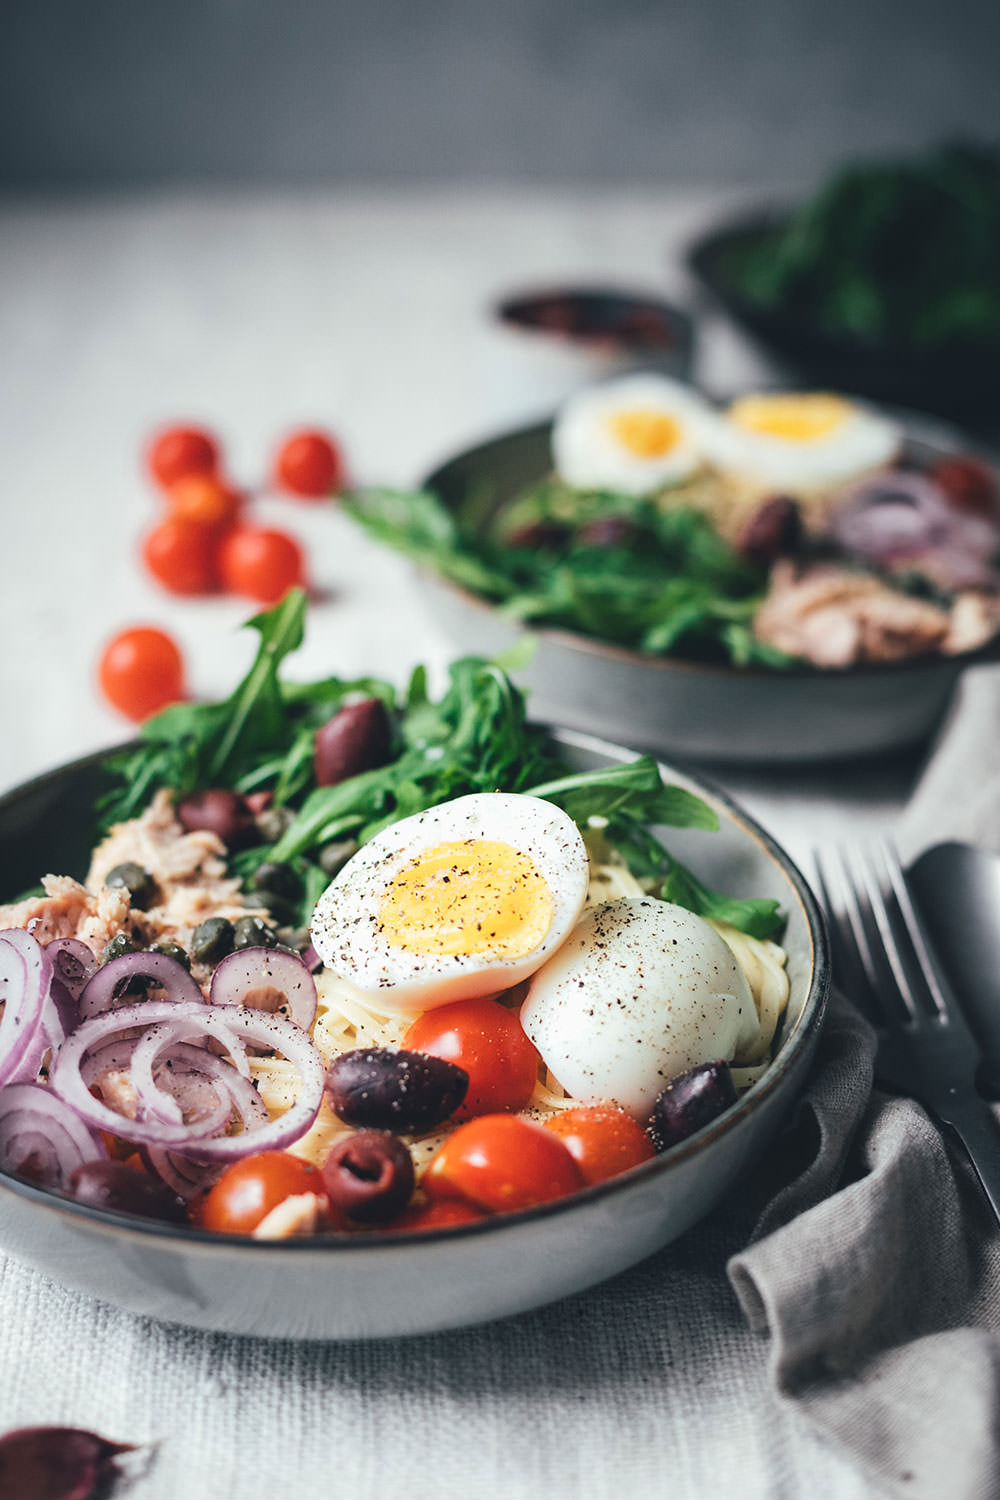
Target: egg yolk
{"points": [[791, 418], [644, 432], [474, 898]]}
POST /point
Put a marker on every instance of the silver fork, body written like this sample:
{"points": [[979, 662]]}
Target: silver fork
{"points": [[884, 961]]}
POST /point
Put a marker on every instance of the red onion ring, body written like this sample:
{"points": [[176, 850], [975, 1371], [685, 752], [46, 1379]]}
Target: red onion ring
{"points": [[103, 992], [73, 965], [185, 1178], [232, 1026], [261, 972], [25, 975], [43, 1133]]}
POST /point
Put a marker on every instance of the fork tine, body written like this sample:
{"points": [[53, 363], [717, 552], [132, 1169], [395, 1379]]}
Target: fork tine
{"points": [[940, 992], [867, 864], [853, 957]]}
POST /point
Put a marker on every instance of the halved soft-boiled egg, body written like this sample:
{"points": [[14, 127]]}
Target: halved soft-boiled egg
{"points": [[635, 435], [464, 899], [800, 440], [641, 991]]}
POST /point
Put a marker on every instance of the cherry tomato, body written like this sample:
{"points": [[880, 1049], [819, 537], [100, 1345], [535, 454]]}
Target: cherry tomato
{"points": [[260, 563], [248, 1190], [970, 484], [141, 671], [488, 1041], [502, 1163], [182, 555], [602, 1140], [309, 464], [204, 498], [176, 451], [440, 1214]]}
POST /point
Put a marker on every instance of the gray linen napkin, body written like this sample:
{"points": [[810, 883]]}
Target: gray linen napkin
{"points": [[876, 1271]]}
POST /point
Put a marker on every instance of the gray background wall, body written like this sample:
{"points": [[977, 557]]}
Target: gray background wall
{"points": [[114, 92]]}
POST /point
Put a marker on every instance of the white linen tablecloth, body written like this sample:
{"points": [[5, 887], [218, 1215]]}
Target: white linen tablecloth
{"points": [[364, 313]]}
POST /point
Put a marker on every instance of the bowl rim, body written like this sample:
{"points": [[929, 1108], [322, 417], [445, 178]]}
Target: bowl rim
{"points": [[916, 428], [806, 1026]]}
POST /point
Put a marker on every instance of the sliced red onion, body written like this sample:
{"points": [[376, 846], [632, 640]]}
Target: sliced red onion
{"points": [[73, 965], [267, 979], [231, 1026], [186, 1178], [25, 975], [904, 518], [42, 1136], [151, 1068], [105, 990]]}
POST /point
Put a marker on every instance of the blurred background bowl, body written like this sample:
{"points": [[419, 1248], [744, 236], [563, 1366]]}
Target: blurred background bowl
{"points": [[707, 712], [955, 382]]}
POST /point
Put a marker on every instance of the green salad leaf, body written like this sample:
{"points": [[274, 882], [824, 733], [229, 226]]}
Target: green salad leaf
{"points": [[475, 737], [656, 578]]}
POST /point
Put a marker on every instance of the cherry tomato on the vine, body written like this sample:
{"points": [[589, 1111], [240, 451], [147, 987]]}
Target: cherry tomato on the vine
{"points": [[248, 1190], [141, 671], [502, 1163], [206, 499], [182, 555], [261, 563], [602, 1140], [488, 1041], [177, 451], [309, 464]]}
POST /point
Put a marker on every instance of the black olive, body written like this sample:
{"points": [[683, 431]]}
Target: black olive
{"points": [[369, 1176], [121, 943], [253, 932], [136, 880], [690, 1101], [212, 940], [172, 950], [333, 857], [394, 1090]]}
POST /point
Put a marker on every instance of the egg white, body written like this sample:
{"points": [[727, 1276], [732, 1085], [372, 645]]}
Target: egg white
{"points": [[589, 455], [641, 991], [860, 442], [346, 927]]}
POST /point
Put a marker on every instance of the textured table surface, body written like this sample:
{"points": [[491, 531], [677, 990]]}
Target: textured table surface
{"points": [[367, 314]]}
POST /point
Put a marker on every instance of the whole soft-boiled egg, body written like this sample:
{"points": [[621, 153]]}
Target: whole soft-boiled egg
{"points": [[635, 436], [464, 899], [640, 992], [799, 440]]}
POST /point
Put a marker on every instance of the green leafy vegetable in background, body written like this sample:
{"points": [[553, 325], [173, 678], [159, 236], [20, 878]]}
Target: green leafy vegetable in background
{"points": [[904, 255], [474, 738], [626, 570]]}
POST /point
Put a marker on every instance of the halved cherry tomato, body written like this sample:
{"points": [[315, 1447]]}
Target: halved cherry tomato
{"points": [[488, 1041], [204, 498], [602, 1140], [141, 671], [309, 464], [439, 1214], [182, 555], [970, 484], [260, 563], [248, 1190], [176, 451], [502, 1163]]}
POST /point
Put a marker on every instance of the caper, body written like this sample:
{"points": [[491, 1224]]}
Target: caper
{"points": [[253, 932], [333, 857], [121, 943], [296, 938], [272, 823], [172, 950], [212, 940], [135, 879], [275, 879]]}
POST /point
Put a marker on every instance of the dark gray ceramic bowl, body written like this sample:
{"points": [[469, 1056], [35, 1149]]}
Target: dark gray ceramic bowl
{"points": [[696, 710], [367, 1286]]}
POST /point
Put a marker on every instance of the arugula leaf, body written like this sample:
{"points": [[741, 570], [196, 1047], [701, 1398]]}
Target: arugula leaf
{"points": [[637, 788], [759, 917]]}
